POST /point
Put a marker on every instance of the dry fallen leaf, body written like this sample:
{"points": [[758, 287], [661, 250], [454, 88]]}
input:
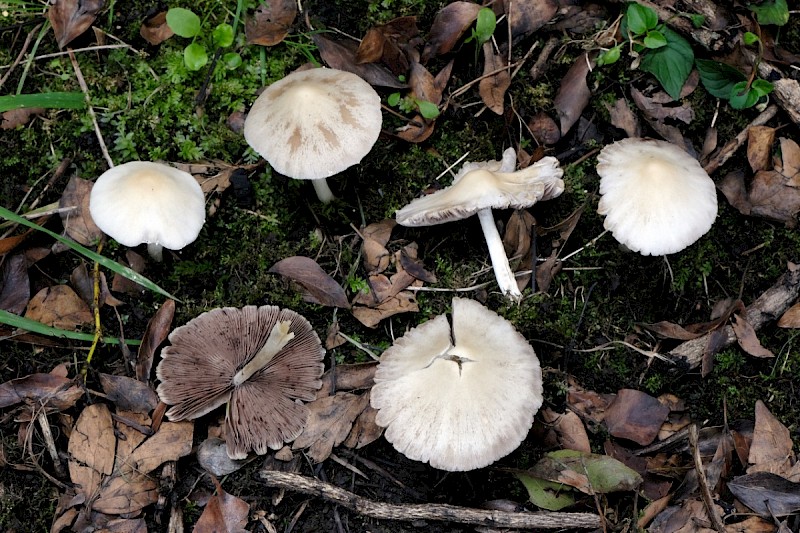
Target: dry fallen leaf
{"points": [[15, 287], [767, 494], [70, 18], [373, 248], [527, 16], [18, 117], [589, 405], [83, 283], [402, 302], [212, 454], [496, 79], [759, 147], [59, 306], [573, 93], [155, 29], [271, 22], [342, 55], [622, 117], [636, 416], [771, 449], [789, 319], [321, 288], [78, 222], [329, 422], [347, 377], [128, 394], [224, 513], [91, 448], [120, 283], [448, 26], [544, 129], [746, 337], [50, 390], [365, 430], [569, 430], [156, 332]]}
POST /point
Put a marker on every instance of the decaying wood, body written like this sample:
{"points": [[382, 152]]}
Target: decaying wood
{"points": [[786, 90], [441, 512], [766, 308], [718, 158], [710, 40]]}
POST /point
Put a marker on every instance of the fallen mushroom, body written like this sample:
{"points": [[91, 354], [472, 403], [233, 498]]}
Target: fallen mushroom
{"points": [[480, 187], [459, 397], [144, 202], [656, 198], [261, 361], [315, 123]]}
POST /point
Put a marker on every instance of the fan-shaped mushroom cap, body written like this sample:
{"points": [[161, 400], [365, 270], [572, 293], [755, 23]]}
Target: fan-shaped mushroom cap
{"points": [[483, 185], [202, 370], [461, 406], [144, 202], [314, 123], [657, 199]]}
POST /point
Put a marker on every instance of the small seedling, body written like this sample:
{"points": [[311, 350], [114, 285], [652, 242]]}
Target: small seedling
{"points": [[185, 23], [409, 104]]}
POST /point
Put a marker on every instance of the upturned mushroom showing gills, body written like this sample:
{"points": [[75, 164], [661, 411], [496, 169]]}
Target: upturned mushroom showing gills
{"points": [[480, 187], [262, 361], [459, 396], [315, 123], [656, 198], [144, 202]]}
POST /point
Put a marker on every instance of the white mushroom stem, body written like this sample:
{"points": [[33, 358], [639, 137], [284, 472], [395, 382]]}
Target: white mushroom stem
{"points": [[278, 338], [156, 251], [324, 193], [502, 270]]}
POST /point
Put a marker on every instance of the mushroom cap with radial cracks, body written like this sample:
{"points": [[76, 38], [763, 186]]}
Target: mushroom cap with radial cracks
{"points": [[656, 198], [460, 405], [145, 202], [314, 123], [199, 369]]}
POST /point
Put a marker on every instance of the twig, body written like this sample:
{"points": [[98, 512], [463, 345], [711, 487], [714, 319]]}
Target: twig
{"points": [[87, 49], [705, 490], [442, 512], [49, 442], [85, 89], [542, 61], [359, 346], [25, 46], [718, 158]]}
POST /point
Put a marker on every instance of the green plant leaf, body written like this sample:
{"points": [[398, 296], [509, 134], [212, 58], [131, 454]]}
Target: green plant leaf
{"points": [[609, 56], [654, 39], [183, 22], [639, 19], [697, 20], [393, 99], [16, 321], [718, 78], [222, 35], [761, 87], [670, 64], [194, 56], [771, 12], [94, 256], [587, 472], [61, 100], [546, 494], [742, 96], [428, 109], [485, 25], [750, 38], [231, 60]]}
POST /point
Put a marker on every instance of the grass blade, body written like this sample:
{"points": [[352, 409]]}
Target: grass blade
{"points": [[72, 100], [89, 254], [16, 321]]}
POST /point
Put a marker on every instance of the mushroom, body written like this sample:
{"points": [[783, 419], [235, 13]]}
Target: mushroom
{"points": [[261, 361], [315, 123], [480, 187], [144, 202], [656, 198], [460, 396]]}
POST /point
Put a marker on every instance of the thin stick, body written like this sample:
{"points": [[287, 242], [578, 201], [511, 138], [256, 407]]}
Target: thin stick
{"points": [[718, 158], [441, 512], [705, 490], [85, 89], [87, 49], [25, 46]]}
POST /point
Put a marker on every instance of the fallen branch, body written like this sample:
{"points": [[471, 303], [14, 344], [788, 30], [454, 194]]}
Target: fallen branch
{"points": [[441, 512], [766, 308]]}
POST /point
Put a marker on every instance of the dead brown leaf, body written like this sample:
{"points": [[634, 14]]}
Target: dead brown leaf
{"points": [[771, 449], [83, 283], [78, 222], [171, 442], [365, 430], [544, 129], [623, 118], [373, 248], [655, 107], [573, 93], [527, 16], [91, 448], [789, 165], [754, 524], [402, 302], [589, 405], [155, 29], [50, 390], [569, 430], [212, 454], [424, 86], [60, 307], [767, 494], [342, 55], [407, 257], [387, 43], [746, 337], [496, 79], [636, 416], [223, 513], [70, 18], [329, 422], [18, 117], [271, 22], [448, 26], [128, 394], [789, 319], [759, 147], [156, 332], [347, 377], [322, 289], [125, 495], [15, 287], [122, 284]]}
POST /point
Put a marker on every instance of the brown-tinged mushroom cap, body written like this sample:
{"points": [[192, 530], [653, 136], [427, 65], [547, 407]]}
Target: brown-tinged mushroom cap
{"points": [[262, 360], [460, 405], [656, 198], [314, 123]]}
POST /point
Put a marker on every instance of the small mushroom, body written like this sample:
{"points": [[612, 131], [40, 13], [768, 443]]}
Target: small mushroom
{"points": [[261, 361], [656, 198], [144, 202], [460, 396], [481, 187], [315, 123]]}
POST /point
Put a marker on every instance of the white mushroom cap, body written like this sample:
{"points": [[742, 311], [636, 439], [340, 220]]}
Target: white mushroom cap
{"points": [[657, 199], [461, 406], [144, 202], [314, 123]]}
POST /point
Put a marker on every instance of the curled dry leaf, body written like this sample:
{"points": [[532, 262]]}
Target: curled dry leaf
{"points": [[424, 86], [387, 43], [527, 16], [622, 117], [767, 494], [120, 283], [18, 117], [271, 22], [15, 287], [329, 423], [50, 390], [569, 430], [496, 79], [155, 29], [789, 319], [589, 405], [789, 165], [348, 378], [156, 332], [746, 337], [636, 416], [60, 307], [771, 448], [78, 222], [573, 93], [83, 282], [365, 430], [341, 55], [373, 248], [129, 394], [759, 147], [321, 288], [448, 26], [70, 18], [223, 512]]}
